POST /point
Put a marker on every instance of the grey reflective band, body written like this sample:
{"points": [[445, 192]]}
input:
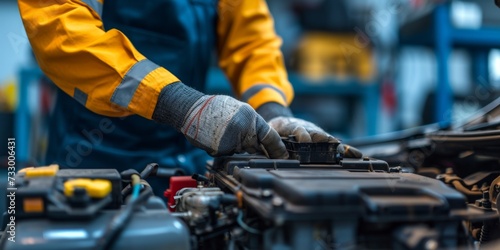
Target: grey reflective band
{"points": [[80, 96], [256, 88], [125, 91], [95, 5]]}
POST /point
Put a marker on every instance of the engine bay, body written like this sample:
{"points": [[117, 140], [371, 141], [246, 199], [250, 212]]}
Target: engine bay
{"points": [[430, 188]]}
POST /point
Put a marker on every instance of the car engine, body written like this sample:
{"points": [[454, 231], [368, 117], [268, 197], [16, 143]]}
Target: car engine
{"points": [[431, 188]]}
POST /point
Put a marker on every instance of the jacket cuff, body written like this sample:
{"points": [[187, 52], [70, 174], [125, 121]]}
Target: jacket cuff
{"points": [[272, 110], [174, 102]]}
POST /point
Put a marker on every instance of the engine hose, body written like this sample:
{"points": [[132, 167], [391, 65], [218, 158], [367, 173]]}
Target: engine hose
{"points": [[246, 227], [120, 221], [471, 195], [152, 169]]}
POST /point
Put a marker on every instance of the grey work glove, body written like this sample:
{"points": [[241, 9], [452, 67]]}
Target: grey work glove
{"points": [[303, 131], [282, 120], [220, 125]]}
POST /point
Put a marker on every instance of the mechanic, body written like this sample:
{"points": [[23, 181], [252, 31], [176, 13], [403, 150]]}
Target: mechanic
{"points": [[135, 59]]}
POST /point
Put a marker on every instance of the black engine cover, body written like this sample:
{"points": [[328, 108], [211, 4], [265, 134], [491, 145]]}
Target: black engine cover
{"points": [[354, 199]]}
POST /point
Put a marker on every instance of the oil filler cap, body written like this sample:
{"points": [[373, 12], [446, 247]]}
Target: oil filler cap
{"points": [[97, 188]]}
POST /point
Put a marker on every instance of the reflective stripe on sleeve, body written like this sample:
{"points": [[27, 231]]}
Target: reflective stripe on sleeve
{"points": [[257, 88], [80, 96], [124, 93]]}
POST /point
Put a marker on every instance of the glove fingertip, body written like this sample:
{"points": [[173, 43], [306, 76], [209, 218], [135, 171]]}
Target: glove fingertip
{"points": [[279, 153], [285, 155], [271, 143], [282, 153], [302, 135], [320, 137], [332, 139]]}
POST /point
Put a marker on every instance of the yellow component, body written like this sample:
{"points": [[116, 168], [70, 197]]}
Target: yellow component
{"points": [[322, 55], [239, 197], [33, 205], [97, 188], [11, 91], [45, 171], [8, 96], [24, 169]]}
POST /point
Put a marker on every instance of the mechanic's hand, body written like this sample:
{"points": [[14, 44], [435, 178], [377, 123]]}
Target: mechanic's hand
{"points": [[303, 131], [221, 125], [282, 120]]}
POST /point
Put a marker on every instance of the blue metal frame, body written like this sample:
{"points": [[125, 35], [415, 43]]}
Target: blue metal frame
{"points": [[444, 37], [22, 129], [484, 37]]}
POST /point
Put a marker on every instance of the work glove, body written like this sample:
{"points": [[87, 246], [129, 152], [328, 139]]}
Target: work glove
{"points": [[281, 119], [218, 124], [303, 131]]}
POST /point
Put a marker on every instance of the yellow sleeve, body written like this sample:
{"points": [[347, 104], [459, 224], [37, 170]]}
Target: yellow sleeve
{"points": [[102, 70], [249, 53]]}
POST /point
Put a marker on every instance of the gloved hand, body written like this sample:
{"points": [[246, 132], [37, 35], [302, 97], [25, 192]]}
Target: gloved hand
{"points": [[221, 125], [282, 120], [303, 131]]}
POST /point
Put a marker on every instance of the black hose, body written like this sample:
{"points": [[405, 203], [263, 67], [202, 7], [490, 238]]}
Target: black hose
{"points": [[152, 169], [199, 177], [246, 227], [126, 175], [120, 220]]}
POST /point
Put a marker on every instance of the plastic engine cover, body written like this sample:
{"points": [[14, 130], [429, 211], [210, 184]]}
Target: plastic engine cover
{"points": [[355, 204], [323, 193]]}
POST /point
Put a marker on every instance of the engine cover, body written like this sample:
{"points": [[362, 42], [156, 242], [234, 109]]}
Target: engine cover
{"points": [[355, 203]]}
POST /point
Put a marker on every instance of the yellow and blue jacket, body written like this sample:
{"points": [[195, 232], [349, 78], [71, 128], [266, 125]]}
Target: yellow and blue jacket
{"points": [[114, 57]]}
